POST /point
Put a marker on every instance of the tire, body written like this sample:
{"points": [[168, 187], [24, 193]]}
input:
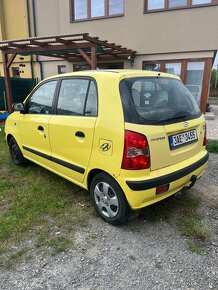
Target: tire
{"points": [[15, 152], [108, 199]]}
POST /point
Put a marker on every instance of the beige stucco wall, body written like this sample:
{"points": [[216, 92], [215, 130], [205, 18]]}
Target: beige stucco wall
{"points": [[14, 25], [169, 31]]}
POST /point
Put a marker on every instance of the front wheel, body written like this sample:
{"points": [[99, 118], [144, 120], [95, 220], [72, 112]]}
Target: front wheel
{"points": [[16, 154], [108, 199]]}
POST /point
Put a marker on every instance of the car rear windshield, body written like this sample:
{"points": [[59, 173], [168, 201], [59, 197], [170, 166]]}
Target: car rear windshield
{"points": [[157, 101]]}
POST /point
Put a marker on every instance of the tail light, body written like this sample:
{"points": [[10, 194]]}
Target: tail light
{"points": [[205, 135], [136, 154]]}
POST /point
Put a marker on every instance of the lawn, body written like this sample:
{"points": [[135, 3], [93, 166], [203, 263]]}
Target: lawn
{"points": [[37, 205], [40, 212]]}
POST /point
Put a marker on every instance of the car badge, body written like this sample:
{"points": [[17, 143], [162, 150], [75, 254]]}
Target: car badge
{"points": [[185, 124], [105, 147]]}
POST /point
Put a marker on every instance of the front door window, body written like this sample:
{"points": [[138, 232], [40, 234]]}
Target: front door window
{"points": [[41, 100]]}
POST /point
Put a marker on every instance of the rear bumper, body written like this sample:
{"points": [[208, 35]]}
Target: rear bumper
{"points": [[148, 184], [140, 191]]}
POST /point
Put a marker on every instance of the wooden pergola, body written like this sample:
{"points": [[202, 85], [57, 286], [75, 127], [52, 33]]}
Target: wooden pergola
{"points": [[71, 47]]}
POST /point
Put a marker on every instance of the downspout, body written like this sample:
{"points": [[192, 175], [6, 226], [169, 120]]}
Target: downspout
{"points": [[29, 33], [35, 34]]}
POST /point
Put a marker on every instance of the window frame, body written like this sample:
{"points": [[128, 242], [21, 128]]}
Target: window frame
{"points": [[89, 18], [59, 67], [188, 6], [107, 64], [184, 63], [86, 98], [35, 89]]}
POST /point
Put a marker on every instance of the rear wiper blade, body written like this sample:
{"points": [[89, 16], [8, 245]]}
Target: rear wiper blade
{"points": [[172, 118]]}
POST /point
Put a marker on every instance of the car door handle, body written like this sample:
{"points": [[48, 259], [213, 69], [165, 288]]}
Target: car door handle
{"points": [[79, 134], [40, 128]]}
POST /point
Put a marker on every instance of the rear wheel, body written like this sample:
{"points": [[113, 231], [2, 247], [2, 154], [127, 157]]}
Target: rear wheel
{"points": [[16, 154], [108, 199]]}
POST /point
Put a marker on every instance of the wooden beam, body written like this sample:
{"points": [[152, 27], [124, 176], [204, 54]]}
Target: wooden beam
{"points": [[94, 57], [106, 44], [64, 41], [12, 44], [40, 44], [47, 37], [10, 60], [85, 56], [47, 49], [7, 82]]}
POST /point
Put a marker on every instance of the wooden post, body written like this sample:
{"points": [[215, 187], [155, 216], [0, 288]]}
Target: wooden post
{"points": [[7, 82], [94, 57], [206, 84]]}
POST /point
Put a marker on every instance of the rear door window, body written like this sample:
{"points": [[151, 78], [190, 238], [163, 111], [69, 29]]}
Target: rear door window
{"points": [[77, 97]]}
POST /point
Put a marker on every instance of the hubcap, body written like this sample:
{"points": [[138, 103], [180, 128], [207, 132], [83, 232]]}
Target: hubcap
{"points": [[15, 152], [106, 199]]}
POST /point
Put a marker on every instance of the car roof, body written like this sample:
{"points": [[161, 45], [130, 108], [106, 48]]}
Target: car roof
{"points": [[116, 73]]}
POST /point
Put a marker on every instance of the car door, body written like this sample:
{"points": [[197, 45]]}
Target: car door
{"points": [[71, 130], [34, 121]]}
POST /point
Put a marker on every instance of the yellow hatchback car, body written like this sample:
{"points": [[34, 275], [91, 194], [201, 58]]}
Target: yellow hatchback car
{"points": [[132, 138]]}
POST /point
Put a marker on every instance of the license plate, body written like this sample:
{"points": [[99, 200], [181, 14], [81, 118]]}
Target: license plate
{"points": [[182, 139]]}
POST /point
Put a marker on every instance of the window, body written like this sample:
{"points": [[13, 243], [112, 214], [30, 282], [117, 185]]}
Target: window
{"points": [[194, 79], [156, 5], [41, 100], [115, 7], [197, 2], [177, 3], [168, 66], [174, 68], [77, 97], [62, 69], [193, 73], [152, 66], [151, 100], [88, 9]]}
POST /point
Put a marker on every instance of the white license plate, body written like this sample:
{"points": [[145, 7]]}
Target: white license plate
{"points": [[183, 139]]}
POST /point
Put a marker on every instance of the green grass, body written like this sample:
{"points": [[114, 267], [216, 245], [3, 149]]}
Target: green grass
{"points": [[212, 146], [195, 248], [37, 204]]}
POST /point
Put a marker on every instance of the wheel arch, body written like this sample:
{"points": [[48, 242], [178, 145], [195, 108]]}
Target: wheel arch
{"points": [[93, 173], [9, 136]]}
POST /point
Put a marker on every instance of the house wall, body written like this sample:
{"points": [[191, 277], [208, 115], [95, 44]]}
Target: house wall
{"points": [[191, 29]]}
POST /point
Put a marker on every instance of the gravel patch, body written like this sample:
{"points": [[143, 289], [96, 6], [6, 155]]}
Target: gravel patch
{"points": [[139, 255]]}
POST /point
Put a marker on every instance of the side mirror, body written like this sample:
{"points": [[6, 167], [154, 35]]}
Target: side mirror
{"points": [[18, 107]]}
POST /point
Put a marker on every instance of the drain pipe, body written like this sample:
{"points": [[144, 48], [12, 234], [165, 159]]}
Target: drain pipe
{"points": [[29, 34], [35, 34]]}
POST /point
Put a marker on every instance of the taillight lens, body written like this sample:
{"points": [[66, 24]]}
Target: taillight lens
{"points": [[136, 154], [205, 135]]}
